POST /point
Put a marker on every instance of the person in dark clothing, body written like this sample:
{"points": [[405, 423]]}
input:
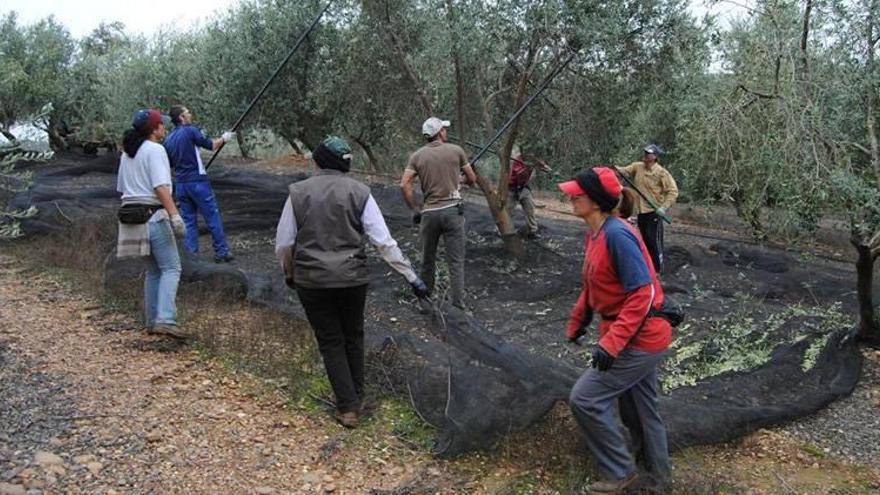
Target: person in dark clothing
{"points": [[320, 244], [193, 190]]}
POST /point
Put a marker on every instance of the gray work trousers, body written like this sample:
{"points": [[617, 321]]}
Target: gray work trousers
{"points": [[524, 198], [447, 223], [633, 380]]}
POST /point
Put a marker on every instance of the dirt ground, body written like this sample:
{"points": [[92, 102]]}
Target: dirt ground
{"points": [[90, 404]]}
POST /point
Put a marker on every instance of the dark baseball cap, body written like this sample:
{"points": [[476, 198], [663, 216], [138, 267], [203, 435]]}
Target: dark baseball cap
{"points": [[653, 149], [148, 119]]}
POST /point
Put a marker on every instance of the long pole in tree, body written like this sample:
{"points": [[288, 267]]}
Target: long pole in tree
{"points": [[640, 193], [519, 111], [259, 95]]}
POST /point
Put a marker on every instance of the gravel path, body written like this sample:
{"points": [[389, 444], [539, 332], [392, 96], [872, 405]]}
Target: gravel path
{"points": [[89, 404], [849, 428]]}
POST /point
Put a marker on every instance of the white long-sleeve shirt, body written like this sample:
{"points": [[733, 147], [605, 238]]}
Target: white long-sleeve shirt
{"points": [[374, 227]]}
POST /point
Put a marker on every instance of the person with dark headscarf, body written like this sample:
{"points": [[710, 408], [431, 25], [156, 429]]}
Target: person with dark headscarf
{"points": [[620, 285], [151, 219], [320, 244]]}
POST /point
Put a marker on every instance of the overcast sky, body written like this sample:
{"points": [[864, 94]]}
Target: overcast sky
{"points": [[82, 16]]}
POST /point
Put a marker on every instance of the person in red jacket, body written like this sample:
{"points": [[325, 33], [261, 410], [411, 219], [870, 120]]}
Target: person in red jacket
{"points": [[518, 184], [621, 287]]}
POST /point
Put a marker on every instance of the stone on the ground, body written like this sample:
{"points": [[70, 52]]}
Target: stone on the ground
{"points": [[94, 467], [43, 458], [10, 489]]}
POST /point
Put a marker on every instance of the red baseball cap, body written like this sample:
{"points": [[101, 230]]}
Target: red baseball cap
{"points": [[599, 183]]}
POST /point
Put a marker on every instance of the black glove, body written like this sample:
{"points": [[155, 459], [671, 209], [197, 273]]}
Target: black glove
{"points": [[289, 282], [582, 329], [580, 332], [417, 218], [420, 289], [601, 359]]}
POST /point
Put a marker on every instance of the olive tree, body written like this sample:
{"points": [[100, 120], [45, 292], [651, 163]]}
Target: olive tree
{"points": [[33, 61]]}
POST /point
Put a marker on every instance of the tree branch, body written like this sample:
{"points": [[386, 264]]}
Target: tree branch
{"points": [[769, 96]]}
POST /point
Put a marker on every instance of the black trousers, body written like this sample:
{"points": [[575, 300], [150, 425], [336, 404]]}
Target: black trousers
{"points": [[337, 318], [651, 227]]}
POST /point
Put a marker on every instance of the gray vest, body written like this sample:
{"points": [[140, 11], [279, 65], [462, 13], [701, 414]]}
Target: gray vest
{"points": [[329, 251]]}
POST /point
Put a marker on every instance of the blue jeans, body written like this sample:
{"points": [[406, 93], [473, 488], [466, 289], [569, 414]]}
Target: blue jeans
{"points": [[162, 277], [194, 198]]}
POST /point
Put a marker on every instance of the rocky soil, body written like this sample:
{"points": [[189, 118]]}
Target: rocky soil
{"points": [[90, 404]]}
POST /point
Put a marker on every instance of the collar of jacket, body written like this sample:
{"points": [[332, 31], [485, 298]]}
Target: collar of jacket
{"points": [[330, 171]]}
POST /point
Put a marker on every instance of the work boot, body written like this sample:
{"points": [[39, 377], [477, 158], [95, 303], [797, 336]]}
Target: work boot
{"points": [[169, 330], [226, 258], [367, 406], [347, 419], [613, 486]]}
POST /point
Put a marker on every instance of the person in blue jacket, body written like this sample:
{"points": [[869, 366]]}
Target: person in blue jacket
{"points": [[193, 190]]}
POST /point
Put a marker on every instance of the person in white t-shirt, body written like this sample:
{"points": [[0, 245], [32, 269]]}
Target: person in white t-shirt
{"points": [[145, 180]]}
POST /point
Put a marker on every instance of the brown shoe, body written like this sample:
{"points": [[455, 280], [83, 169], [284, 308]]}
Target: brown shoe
{"points": [[170, 330], [613, 486], [347, 419]]}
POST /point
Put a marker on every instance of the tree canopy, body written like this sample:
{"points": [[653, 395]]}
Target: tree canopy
{"points": [[775, 114]]}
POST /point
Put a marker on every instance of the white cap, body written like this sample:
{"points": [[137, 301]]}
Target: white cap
{"points": [[434, 125]]}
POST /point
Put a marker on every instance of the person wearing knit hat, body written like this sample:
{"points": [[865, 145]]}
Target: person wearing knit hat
{"points": [[193, 189], [657, 183], [618, 284], [320, 245], [148, 219], [439, 167]]}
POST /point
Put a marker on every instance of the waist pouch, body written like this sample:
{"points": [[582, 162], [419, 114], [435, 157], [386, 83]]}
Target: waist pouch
{"points": [[136, 214], [670, 312]]}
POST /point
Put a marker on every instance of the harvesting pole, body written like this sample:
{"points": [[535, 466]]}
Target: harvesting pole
{"points": [[640, 193], [519, 111], [259, 95]]}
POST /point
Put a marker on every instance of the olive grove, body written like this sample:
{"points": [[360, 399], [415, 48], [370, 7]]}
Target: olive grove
{"points": [[775, 114]]}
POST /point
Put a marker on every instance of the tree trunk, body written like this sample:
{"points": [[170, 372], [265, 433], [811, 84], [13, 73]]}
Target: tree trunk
{"points": [[372, 163], [864, 290], [400, 53], [242, 145], [56, 142], [497, 197], [512, 242], [871, 94], [456, 65], [805, 37]]}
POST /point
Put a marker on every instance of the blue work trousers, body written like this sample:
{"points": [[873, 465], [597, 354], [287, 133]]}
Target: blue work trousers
{"points": [[198, 197], [632, 380]]}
